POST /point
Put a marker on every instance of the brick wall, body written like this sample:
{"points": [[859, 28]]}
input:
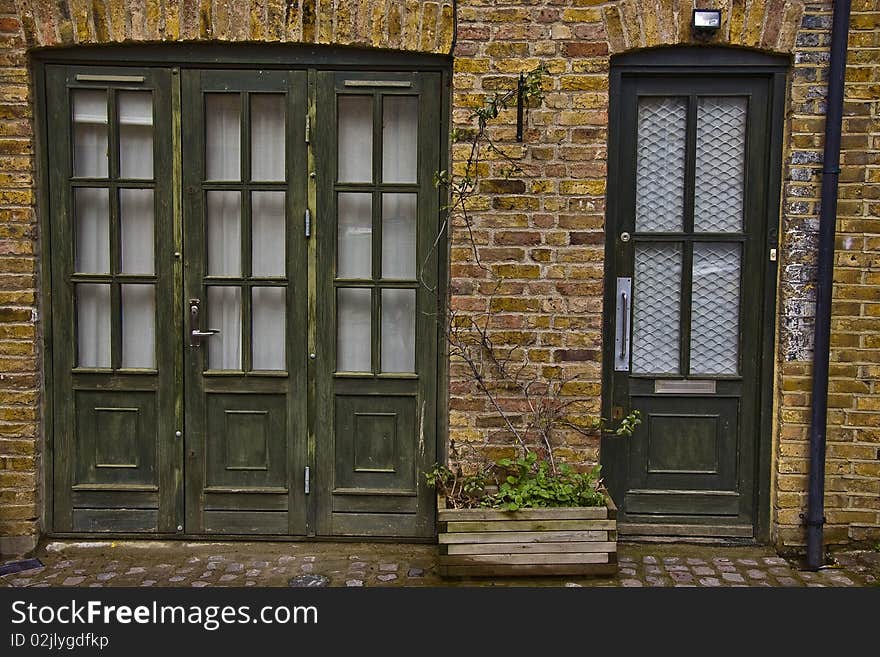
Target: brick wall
{"points": [[544, 241]]}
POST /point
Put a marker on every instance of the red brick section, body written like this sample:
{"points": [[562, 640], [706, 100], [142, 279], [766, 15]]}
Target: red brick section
{"points": [[542, 238]]}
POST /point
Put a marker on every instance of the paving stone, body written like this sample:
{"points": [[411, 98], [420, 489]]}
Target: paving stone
{"points": [[627, 571], [695, 562], [671, 560], [96, 585], [253, 573], [260, 564], [573, 585], [388, 577], [286, 558], [788, 581], [250, 583], [733, 577], [228, 577], [747, 562], [73, 581], [178, 578], [649, 559], [779, 571], [816, 584], [704, 570], [184, 571], [235, 568], [676, 568], [200, 584], [309, 581], [354, 582], [388, 567], [415, 572], [710, 581], [653, 570], [726, 568], [631, 582], [136, 570], [657, 581], [193, 560], [309, 558], [774, 561], [103, 577], [681, 577], [756, 574], [148, 582], [358, 565], [840, 579], [307, 567]]}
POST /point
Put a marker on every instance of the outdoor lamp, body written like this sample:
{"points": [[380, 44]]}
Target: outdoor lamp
{"points": [[707, 19]]}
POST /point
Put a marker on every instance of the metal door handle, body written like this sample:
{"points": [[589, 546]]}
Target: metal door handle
{"points": [[196, 333], [621, 329]]}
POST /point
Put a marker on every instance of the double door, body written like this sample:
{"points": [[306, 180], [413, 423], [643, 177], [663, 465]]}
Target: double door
{"points": [[243, 297]]}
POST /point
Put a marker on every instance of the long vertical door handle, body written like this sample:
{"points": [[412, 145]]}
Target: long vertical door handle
{"points": [[621, 324]]}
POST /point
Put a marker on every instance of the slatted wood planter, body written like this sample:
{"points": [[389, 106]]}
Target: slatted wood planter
{"points": [[528, 542]]}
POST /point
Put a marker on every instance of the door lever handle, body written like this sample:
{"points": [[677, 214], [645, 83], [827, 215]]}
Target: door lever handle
{"points": [[196, 333]]}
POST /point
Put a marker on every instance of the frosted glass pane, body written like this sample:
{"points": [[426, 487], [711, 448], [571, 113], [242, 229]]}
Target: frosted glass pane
{"points": [[400, 138], [224, 313], [353, 314], [267, 137], [399, 235], [224, 233], [660, 164], [223, 136], [269, 308], [135, 134], [398, 330], [92, 210], [90, 154], [138, 326], [715, 309], [136, 219], [355, 138], [355, 236], [656, 309], [267, 222], [93, 325], [721, 152]]}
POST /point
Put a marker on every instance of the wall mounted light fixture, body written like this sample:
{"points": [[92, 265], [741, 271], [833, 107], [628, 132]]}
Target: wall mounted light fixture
{"points": [[706, 19]]}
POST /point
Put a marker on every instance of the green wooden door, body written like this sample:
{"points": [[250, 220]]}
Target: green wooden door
{"points": [[688, 269], [244, 181], [245, 332], [116, 459], [376, 343]]}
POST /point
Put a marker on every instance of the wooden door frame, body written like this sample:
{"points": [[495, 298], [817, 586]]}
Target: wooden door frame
{"points": [[679, 61], [207, 55]]}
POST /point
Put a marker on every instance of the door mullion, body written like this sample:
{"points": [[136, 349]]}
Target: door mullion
{"points": [[688, 244]]}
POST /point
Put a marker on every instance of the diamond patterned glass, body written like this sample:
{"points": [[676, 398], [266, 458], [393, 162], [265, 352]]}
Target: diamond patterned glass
{"points": [[656, 309], [715, 308], [661, 164], [721, 150]]}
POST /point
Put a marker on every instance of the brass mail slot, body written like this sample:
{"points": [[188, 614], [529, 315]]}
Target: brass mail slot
{"points": [[684, 387]]}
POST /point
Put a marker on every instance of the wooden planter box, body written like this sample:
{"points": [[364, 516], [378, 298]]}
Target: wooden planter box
{"points": [[560, 541]]}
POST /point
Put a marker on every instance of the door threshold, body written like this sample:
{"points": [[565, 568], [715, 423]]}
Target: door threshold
{"points": [[722, 541], [683, 530], [230, 538]]}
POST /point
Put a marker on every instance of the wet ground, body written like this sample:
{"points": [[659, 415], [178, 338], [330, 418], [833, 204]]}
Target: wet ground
{"points": [[175, 563]]}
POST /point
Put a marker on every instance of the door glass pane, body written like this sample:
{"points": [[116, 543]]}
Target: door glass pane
{"points": [[353, 330], [138, 326], [399, 236], [135, 134], [660, 162], [224, 313], [89, 133], [267, 137], [224, 233], [398, 330], [715, 309], [92, 210], [400, 133], [655, 309], [269, 309], [355, 236], [93, 325], [223, 136], [720, 173], [136, 219], [355, 138], [267, 222]]}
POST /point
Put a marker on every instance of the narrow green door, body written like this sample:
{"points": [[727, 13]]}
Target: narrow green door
{"points": [[244, 181], [116, 464], [377, 314], [688, 270]]}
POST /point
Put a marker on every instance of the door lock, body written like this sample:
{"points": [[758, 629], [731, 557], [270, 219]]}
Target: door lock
{"points": [[195, 332]]}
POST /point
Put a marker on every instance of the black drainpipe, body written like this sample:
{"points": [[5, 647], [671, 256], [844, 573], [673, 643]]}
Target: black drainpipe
{"points": [[825, 265]]}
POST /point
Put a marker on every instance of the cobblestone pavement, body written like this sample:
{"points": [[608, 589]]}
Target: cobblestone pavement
{"points": [[154, 563]]}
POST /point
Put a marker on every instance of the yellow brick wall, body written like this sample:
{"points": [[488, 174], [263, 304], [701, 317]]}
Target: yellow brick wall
{"points": [[545, 239]]}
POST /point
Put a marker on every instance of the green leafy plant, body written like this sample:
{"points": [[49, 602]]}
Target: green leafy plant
{"points": [[529, 482]]}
